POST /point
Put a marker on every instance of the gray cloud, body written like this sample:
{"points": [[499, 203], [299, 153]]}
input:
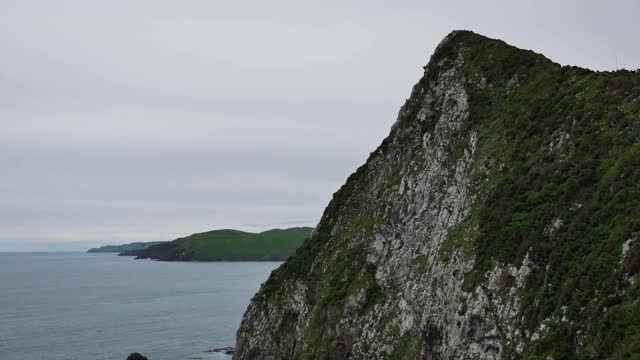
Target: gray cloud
{"points": [[147, 120]]}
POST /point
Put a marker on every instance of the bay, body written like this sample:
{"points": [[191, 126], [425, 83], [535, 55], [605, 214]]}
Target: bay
{"points": [[82, 306]]}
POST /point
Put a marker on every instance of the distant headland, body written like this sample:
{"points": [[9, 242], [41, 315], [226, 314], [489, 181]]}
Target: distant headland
{"points": [[218, 245], [124, 248]]}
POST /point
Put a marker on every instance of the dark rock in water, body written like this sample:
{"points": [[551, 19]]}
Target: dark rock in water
{"points": [[136, 356], [225, 350]]}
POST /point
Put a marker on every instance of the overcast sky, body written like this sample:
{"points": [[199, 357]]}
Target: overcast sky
{"points": [[146, 120]]}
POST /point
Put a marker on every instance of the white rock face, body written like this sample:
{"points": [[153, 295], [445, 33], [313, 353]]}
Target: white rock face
{"points": [[626, 246]]}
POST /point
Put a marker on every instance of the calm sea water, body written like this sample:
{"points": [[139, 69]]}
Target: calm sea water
{"points": [[101, 306]]}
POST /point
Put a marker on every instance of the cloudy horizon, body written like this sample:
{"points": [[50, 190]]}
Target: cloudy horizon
{"points": [[146, 120]]}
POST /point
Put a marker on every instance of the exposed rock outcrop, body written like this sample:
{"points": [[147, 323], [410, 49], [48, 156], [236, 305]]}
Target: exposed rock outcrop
{"points": [[136, 356]]}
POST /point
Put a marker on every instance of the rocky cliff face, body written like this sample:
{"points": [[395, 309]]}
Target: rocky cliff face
{"points": [[499, 219]]}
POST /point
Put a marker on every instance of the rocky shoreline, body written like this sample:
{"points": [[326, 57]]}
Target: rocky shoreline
{"points": [[227, 350]]}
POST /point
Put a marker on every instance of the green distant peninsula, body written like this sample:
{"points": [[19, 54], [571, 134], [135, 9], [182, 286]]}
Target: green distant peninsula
{"points": [[228, 245], [124, 248]]}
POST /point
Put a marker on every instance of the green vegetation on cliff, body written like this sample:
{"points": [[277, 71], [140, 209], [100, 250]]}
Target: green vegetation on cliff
{"points": [[231, 245], [570, 203], [123, 248]]}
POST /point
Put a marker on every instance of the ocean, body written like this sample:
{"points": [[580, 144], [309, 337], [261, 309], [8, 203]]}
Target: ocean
{"points": [[80, 306]]}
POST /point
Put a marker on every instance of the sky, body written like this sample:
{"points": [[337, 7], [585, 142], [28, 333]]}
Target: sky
{"points": [[147, 120]]}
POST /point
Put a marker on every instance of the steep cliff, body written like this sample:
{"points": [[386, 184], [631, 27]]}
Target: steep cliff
{"points": [[499, 219]]}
